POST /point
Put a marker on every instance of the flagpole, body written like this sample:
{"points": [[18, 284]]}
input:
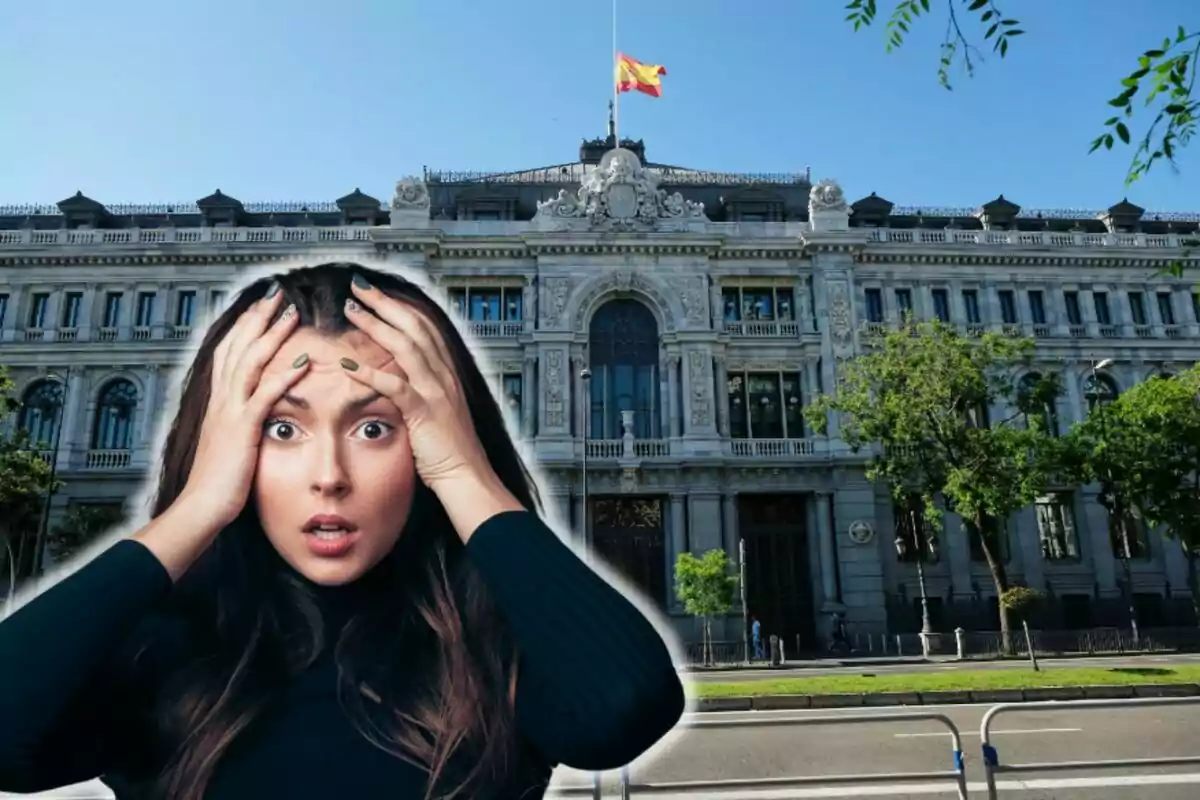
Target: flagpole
{"points": [[616, 86]]}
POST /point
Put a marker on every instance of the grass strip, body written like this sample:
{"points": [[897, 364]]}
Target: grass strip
{"points": [[948, 681]]}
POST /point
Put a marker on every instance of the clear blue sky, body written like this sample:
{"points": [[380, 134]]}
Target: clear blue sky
{"points": [[159, 100]]}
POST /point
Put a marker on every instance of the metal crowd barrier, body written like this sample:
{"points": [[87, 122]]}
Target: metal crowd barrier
{"points": [[991, 758], [628, 786]]}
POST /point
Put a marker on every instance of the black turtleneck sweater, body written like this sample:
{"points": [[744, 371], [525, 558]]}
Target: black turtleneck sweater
{"points": [[595, 690]]}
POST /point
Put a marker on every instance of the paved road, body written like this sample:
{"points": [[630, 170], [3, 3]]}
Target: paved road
{"points": [[1060, 734], [1022, 737], [846, 668]]}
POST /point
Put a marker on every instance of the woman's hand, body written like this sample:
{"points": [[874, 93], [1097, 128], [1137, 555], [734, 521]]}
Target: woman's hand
{"points": [[227, 452], [449, 457]]}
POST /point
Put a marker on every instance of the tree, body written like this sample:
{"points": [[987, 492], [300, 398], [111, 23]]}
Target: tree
{"points": [[705, 587], [1163, 80], [1143, 450], [81, 526], [922, 393], [25, 480]]}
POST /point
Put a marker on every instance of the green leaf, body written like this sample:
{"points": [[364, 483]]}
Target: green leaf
{"points": [[991, 31], [1123, 132], [987, 15], [1155, 53], [1175, 108], [977, 4], [1003, 47], [1017, 32]]}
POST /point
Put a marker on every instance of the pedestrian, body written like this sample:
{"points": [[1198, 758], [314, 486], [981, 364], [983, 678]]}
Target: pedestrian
{"points": [[756, 637], [345, 588]]}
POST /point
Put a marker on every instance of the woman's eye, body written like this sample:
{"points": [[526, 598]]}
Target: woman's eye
{"points": [[282, 430], [375, 429]]}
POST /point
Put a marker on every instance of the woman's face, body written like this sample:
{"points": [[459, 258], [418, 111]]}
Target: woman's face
{"points": [[335, 477]]}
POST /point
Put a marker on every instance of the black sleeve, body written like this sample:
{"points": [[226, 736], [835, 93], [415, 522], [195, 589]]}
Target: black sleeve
{"points": [[596, 686], [64, 701]]}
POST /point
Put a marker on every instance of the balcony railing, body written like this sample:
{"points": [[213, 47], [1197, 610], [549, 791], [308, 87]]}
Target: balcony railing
{"points": [[771, 448], [1027, 238], [107, 459], [763, 330], [765, 230], [496, 330]]}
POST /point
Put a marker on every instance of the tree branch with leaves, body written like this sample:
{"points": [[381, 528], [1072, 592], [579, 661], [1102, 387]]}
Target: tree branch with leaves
{"points": [[1165, 76]]}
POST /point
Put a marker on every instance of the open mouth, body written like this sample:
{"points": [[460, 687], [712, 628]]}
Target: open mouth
{"points": [[330, 535]]}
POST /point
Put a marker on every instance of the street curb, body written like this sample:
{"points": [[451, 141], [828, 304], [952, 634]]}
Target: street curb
{"points": [[781, 702]]}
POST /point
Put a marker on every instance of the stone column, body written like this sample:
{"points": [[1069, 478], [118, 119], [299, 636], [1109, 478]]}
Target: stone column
{"points": [[729, 525], [675, 428], [148, 408], [825, 546], [74, 427], [1028, 546], [664, 395], [957, 550], [529, 387], [722, 389], [129, 301], [12, 314], [679, 543], [1104, 563]]}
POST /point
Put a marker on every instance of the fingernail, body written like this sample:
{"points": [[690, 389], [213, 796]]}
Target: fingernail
{"points": [[350, 364], [289, 312], [360, 281], [352, 305], [272, 290], [300, 361]]}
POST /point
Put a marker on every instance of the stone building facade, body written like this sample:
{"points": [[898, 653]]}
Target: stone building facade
{"points": [[708, 309]]}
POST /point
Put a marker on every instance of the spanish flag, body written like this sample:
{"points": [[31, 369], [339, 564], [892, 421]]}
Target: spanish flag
{"points": [[634, 75]]}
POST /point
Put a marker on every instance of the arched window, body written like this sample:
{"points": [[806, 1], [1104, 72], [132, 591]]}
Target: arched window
{"points": [[1099, 389], [1035, 401], [113, 429], [41, 411], [623, 356]]}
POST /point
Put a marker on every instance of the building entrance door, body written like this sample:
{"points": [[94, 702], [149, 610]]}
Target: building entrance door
{"points": [[628, 533], [779, 588]]}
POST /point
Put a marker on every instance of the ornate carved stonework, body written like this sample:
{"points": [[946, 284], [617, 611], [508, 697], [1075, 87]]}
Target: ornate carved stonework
{"points": [[841, 320], [827, 209], [826, 196], [700, 387], [555, 293], [624, 281], [692, 295], [410, 204], [619, 194], [529, 300], [555, 390], [411, 194]]}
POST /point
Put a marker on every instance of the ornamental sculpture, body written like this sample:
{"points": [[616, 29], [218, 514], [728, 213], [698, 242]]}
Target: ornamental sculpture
{"points": [[619, 194], [826, 196], [411, 195]]}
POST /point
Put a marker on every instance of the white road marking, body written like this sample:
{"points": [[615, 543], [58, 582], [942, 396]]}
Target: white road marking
{"points": [[946, 788], [994, 733]]}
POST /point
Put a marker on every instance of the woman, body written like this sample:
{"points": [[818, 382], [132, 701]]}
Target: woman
{"points": [[344, 589]]}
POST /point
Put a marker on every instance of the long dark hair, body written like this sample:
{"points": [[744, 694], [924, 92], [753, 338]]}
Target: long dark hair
{"points": [[426, 599]]}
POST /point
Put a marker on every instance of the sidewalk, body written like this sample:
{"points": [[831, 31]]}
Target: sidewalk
{"points": [[829, 663], [888, 661]]}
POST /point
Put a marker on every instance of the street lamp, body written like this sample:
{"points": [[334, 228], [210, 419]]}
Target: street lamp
{"points": [[1111, 498], [585, 377], [902, 551]]}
